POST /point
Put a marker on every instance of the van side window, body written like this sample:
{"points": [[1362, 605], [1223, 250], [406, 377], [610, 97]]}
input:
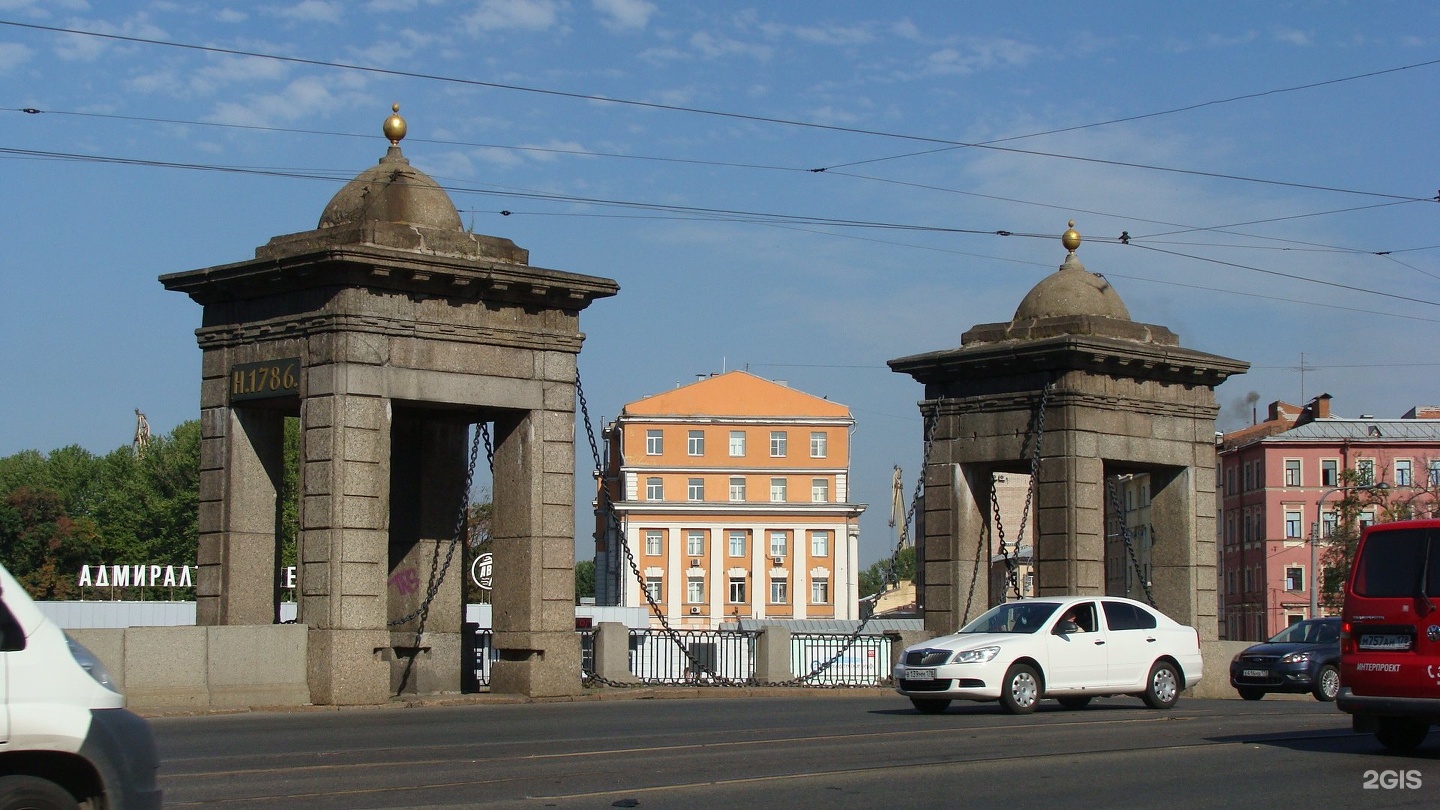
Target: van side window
{"points": [[1390, 564], [12, 635]]}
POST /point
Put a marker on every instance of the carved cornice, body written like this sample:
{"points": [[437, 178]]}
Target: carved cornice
{"points": [[250, 332]]}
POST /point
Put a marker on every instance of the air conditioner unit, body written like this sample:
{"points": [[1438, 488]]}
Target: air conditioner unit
{"points": [[777, 561], [694, 611], [694, 563]]}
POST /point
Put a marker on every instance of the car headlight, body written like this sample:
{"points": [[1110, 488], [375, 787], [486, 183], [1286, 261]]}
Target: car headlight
{"points": [[1296, 658], [91, 664], [979, 656]]}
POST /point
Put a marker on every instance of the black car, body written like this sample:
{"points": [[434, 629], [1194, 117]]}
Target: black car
{"points": [[1304, 657]]}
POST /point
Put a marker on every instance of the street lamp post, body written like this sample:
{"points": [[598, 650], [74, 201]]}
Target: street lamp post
{"points": [[1315, 539]]}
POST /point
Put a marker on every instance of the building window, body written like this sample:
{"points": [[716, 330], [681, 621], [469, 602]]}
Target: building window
{"points": [[1365, 471], [737, 590], [779, 591], [654, 489], [1292, 525], [695, 445], [653, 544], [1367, 518], [777, 490], [820, 544], [779, 544], [820, 490], [1327, 524], [818, 442], [737, 444], [737, 488], [737, 544], [1404, 472], [1329, 473], [1294, 579], [695, 543], [779, 442], [652, 588], [695, 491], [1292, 472], [1229, 480], [1434, 473], [654, 443], [694, 591], [820, 591], [1249, 482]]}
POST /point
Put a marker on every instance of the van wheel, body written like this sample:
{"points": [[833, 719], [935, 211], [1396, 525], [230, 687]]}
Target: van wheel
{"points": [[1327, 683], [930, 705], [1250, 692], [32, 793], [1020, 690], [1162, 688], [1401, 734]]}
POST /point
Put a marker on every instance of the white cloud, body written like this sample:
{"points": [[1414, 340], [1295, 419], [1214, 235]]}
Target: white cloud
{"points": [[12, 55], [621, 14], [979, 55], [322, 11], [230, 15], [81, 48], [502, 15], [711, 46], [1294, 37], [306, 98], [42, 8], [554, 150]]}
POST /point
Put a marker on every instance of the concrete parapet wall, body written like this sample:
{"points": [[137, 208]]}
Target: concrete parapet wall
{"points": [[1216, 681], [217, 667]]}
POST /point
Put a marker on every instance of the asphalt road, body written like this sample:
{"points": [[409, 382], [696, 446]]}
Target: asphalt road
{"points": [[841, 749]]}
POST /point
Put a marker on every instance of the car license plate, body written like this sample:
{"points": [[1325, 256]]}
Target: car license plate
{"points": [[920, 674], [1254, 673], [1385, 641]]}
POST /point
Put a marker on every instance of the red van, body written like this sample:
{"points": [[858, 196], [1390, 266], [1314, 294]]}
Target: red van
{"points": [[1390, 633]]}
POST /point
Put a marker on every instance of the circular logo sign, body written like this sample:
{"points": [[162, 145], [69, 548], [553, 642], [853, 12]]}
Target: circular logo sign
{"points": [[481, 569]]}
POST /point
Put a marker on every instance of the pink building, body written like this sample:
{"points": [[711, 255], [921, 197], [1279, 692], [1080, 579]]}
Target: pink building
{"points": [[1277, 484]]}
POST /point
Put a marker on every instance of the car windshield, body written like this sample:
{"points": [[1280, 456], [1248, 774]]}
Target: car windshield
{"points": [[1315, 631], [1012, 617]]}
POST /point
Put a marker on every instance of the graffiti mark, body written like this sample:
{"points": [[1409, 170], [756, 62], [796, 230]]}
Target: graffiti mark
{"points": [[406, 581]]}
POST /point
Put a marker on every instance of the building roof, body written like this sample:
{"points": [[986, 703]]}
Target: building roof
{"points": [[736, 394], [1361, 430]]}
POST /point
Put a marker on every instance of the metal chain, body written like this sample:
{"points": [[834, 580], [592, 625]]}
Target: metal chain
{"points": [[461, 531], [1011, 564], [1120, 513]]}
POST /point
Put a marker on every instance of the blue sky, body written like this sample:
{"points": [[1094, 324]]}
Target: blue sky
{"points": [[1262, 156]]}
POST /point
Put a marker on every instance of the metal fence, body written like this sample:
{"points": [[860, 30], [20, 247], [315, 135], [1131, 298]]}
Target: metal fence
{"points": [[726, 654], [657, 658], [865, 663]]}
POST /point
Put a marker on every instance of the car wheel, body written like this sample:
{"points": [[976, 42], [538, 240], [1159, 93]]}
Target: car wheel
{"points": [[31, 793], [1250, 692], [1074, 702], [1162, 688], [1401, 734], [1020, 691], [929, 705], [1327, 683]]}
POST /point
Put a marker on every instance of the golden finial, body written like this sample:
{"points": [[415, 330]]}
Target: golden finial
{"points": [[1071, 238], [394, 128]]}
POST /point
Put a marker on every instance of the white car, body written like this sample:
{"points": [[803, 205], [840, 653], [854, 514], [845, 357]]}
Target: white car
{"points": [[1071, 648]]}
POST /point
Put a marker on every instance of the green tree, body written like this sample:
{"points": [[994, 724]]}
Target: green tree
{"points": [[584, 580], [1338, 550], [886, 573]]}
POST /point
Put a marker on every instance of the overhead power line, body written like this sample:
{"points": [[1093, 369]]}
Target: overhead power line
{"points": [[695, 110]]}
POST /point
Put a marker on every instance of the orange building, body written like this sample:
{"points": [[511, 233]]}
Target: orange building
{"points": [[732, 496]]}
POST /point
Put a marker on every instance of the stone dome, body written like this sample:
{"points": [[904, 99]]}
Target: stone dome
{"points": [[392, 191], [1070, 291]]}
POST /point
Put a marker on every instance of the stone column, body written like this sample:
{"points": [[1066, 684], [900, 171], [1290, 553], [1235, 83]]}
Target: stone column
{"points": [[344, 533], [1182, 553], [1070, 521], [243, 457], [533, 528], [954, 524]]}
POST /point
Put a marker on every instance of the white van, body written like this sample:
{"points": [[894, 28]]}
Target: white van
{"points": [[66, 740]]}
